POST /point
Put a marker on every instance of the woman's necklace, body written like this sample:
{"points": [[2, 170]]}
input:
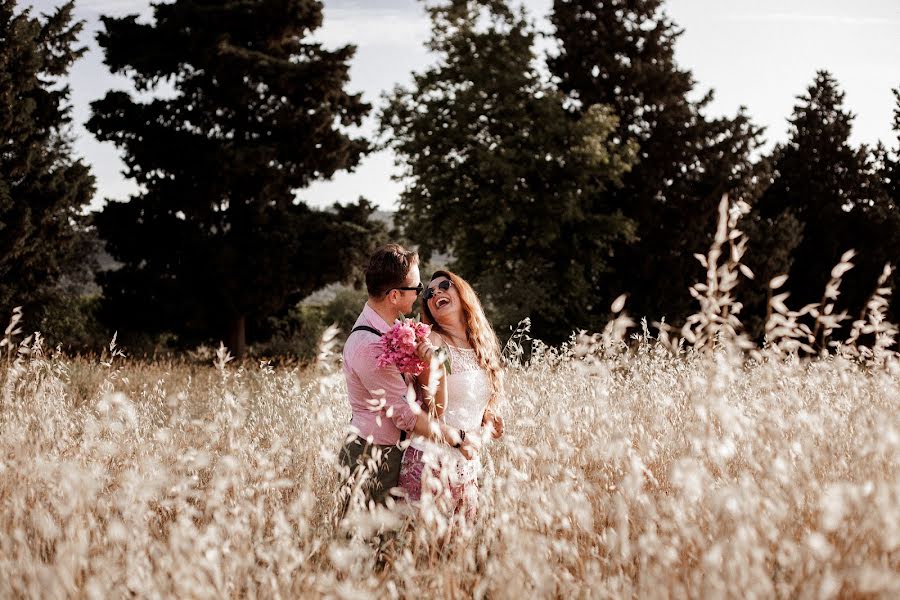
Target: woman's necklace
{"points": [[453, 340]]}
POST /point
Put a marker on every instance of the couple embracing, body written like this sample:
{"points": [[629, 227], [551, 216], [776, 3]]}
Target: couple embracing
{"points": [[400, 442]]}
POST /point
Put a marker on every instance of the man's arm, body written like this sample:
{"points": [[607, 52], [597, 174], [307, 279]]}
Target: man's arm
{"points": [[405, 415]]}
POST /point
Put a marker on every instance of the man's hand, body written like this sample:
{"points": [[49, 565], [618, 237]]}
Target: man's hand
{"points": [[494, 424]]}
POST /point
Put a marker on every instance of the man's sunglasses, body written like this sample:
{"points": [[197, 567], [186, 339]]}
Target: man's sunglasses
{"points": [[443, 286], [418, 289]]}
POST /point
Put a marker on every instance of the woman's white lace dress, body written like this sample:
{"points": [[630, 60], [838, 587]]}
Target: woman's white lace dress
{"points": [[468, 392]]}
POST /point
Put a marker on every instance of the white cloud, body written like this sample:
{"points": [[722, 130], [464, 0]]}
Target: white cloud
{"points": [[372, 28], [824, 19]]}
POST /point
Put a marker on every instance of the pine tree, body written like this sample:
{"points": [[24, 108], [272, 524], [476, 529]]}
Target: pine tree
{"points": [[45, 247], [622, 53], [828, 186], [250, 110], [885, 209], [891, 164], [500, 175]]}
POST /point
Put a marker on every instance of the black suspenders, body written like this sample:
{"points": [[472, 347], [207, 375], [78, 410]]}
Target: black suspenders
{"points": [[366, 328], [378, 333]]}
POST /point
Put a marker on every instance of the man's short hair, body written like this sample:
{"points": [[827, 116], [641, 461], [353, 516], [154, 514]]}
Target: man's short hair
{"points": [[388, 268]]}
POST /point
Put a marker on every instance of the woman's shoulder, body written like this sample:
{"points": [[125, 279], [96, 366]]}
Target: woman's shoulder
{"points": [[435, 338]]}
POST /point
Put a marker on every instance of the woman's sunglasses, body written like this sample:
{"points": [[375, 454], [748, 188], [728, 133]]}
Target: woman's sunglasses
{"points": [[431, 291]]}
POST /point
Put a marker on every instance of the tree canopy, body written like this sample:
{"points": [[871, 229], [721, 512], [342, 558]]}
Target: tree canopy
{"points": [[45, 247], [244, 111], [500, 174], [830, 189], [621, 53]]}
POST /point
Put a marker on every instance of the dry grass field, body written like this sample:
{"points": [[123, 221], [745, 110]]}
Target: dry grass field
{"points": [[640, 473], [656, 468]]}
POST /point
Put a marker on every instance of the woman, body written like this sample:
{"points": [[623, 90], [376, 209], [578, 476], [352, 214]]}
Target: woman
{"points": [[464, 398]]}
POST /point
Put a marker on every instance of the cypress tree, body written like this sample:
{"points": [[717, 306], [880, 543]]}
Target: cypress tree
{"points": [[247, 111], [829, 187]]}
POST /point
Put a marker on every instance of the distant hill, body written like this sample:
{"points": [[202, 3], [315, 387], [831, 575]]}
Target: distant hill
{"points": [[438, 261], [323, 296]]}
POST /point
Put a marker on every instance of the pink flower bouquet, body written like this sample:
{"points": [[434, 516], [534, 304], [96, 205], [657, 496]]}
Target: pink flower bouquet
{"points": [[398, 346]]}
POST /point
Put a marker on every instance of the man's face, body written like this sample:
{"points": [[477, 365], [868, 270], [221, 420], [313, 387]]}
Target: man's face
{"points": [[407, 298]]}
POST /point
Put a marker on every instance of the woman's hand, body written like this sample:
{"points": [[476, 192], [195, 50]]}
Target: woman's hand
{"points": [[470, 446], [468, 449], [425, 350], [494, 424]]}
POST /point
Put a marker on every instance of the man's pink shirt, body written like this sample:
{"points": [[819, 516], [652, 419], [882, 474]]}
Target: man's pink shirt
{"points": [[367, 381]]}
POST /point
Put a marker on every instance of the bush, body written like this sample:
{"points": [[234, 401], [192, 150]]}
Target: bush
{"points": [[344, 309], [298, 333], [71, 322], [295, 335]]}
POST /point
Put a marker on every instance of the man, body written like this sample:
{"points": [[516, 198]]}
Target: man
{"points": [[393, 283]]}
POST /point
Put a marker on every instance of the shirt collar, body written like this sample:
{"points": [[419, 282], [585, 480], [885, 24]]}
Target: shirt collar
{"points": [[375, 319]]}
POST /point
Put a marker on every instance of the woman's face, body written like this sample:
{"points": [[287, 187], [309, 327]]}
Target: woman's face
{"points": [[443, 300]]}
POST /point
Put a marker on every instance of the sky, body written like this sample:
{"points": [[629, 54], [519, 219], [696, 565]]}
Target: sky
{"points": [[760, 54]]}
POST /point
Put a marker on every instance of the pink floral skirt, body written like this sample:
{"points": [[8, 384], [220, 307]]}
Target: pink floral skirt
{"points": [[460, 495]]}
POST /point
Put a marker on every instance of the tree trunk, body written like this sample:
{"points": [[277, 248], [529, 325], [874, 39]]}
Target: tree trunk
{"points": [[237, 338]]}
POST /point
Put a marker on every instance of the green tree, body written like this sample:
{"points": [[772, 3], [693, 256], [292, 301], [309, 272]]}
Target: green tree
{"points": [[621, 53], [885, 208], [830, 188], [246, 111], [500, 175], [45, 247], [773, 239], [890, 170]]}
